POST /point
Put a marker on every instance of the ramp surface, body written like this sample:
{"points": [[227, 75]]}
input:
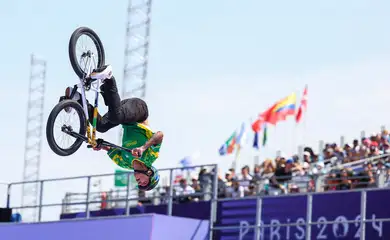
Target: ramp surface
{"points": [[140, 227]]}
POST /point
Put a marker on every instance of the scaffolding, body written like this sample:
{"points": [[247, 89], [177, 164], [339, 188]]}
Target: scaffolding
{"points": [[33, 140], [136, 50]]}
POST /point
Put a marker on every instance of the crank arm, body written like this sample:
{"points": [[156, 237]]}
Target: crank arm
{"points": [[68, 131]]}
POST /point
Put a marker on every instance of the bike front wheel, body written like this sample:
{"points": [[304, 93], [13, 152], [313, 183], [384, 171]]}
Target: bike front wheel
{"points": [[61, 116]]}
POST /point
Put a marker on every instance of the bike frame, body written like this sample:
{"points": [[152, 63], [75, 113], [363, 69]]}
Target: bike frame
{"points": [[87, 84], [94, 86]]}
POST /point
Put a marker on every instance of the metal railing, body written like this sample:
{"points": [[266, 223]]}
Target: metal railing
{"points": [[87, 202], [308, 223], [213, 194]]}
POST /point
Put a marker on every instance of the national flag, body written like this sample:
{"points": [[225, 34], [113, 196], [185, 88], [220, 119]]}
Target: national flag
{"points": [[256, 141], [120, 178], [265, 135], [188, 160], [228, 146], [256, 125], [303, 106], [281, 110], [240, 137]]}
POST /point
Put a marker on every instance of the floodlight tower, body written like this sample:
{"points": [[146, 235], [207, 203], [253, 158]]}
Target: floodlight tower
{"points": [[136, 49], [34, 127]]}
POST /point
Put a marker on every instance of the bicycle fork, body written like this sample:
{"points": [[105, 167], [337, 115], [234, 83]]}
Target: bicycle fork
{"points": [[92, 137], [91, 133]]}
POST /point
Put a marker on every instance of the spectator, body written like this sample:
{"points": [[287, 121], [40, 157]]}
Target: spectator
{"points": [[380, 167], [365, 178], [257, 173], [345, 181], [228, 178], [282, 175], [385, 134], [204, 179], [268, 169], [339, 154], [221, 188], [245, 178], [306, 157], [183, 190], [331, 181], [235, 191], [318, 169], [233, 173], [301, 178], [348, 155], [195, 185], [374, 151], [355, 150], [329, 156]]}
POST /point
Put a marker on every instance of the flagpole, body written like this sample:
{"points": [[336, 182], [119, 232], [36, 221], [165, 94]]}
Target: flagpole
{"points": [[294, 133], [236, 158], [304, 115]]}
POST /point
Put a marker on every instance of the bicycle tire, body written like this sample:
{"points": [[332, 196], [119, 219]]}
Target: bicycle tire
{"points": [[50, 125], [72, 49]]}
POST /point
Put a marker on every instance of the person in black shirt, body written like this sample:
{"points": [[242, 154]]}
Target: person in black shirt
{"points": [[282, 174]]}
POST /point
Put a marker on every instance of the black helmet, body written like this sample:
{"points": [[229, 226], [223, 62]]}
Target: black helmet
{"points": [[154, 178]]}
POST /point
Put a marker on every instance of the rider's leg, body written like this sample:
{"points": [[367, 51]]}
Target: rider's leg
{"points": [[119, 112], [102, 124], [115, 114]]}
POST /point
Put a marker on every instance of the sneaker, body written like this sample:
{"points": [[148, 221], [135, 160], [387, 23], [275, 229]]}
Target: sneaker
{"points": [[102, 73]]}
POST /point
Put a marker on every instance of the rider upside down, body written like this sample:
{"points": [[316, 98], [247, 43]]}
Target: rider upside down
{"points": [[132, 114]]}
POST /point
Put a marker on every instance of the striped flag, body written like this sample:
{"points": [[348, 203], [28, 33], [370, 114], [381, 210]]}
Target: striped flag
{"points": [[303, 106], [240, 137], [228, 146]]}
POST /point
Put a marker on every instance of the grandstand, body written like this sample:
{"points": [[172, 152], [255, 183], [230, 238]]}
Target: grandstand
{"points": [[240, 206]]}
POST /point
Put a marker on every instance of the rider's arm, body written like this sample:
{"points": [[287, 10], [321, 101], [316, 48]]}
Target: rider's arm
{"points": [[154, 140]]}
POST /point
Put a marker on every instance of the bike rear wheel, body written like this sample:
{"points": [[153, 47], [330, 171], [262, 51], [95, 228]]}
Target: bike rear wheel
{"points": [[70, 108], [81, 60]]}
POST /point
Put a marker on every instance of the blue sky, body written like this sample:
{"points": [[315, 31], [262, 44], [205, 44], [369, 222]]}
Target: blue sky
{"points": [[213, 64]]}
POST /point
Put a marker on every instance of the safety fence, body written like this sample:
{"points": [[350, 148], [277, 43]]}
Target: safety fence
{"points": [[89, 199], [354, 214], [242, 225]]}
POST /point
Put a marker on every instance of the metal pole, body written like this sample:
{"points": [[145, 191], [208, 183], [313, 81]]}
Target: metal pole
{"points": [[342, 141], [309, 209], [127, 195], [87, 201], [258, 217], [170, 195], [9, 195], [363, 205], [40, 201], [214, 200]]}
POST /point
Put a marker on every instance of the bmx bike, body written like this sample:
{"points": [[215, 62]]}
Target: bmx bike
{"points": [[79, 131]]}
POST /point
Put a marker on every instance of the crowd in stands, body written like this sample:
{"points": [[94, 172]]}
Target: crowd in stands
{"points": [[329, 170], [364, 163]]}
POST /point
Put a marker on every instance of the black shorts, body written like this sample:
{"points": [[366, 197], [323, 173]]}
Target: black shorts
{"points": [[131, 110]]}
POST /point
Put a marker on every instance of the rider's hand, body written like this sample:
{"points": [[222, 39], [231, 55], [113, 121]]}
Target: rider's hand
{"points": [[137, 152], [101, 148]]}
